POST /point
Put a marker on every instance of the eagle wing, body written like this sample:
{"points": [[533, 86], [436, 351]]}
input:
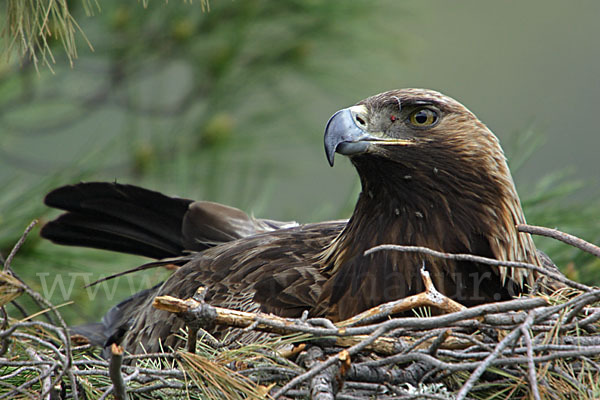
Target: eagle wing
{"points": [[275, 272]]}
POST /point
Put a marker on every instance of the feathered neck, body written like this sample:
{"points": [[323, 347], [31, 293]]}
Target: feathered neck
{"points": [[425, 204]]}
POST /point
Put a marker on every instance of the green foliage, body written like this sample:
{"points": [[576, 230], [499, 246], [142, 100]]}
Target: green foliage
{"points": [[31, 27], [550, 202]]}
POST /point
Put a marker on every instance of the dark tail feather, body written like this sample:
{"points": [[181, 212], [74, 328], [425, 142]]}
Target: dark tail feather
{"points": [[117, 217], [130, 219]]}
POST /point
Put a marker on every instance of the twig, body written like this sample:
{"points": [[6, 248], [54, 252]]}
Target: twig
{"points": [[63, 332], [36, 297], [479, 259], [430, 297], [381, 330], [441, 338], [114, 369], [19, 244], [561, 236], [20, 389], [346, 336], [64, 359], [42, 342], [45, 374], [509, 339], [269, 323], [74, 383], [4, 339], [427, 338], [581, 388], [530, 364], [330, 361], [322, 385]]}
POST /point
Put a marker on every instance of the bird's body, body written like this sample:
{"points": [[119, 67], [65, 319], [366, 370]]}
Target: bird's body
{"points": [[432, 175]]}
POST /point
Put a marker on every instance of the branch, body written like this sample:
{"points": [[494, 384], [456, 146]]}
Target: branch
{"points": [[509, 339], [533, 384], [45, 375], [17, 246], [62, 333], [274, 324], [561, 236], [330, 361], [114, 370], [479, 259], [191, 308], [323, 386], [430, 297]]}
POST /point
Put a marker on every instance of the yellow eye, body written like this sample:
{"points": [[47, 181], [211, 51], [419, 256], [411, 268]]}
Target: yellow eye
{"points": [[423, 117]]}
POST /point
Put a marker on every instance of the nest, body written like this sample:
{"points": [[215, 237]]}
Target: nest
{"points": [[542, 346]]}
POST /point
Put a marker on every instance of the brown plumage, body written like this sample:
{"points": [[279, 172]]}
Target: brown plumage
{"points": [[432, 175]]}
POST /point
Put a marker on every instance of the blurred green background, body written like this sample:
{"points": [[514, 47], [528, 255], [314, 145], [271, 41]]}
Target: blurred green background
{"points": [[230, 104]]}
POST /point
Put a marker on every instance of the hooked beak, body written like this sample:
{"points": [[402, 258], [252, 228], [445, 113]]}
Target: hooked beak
{"points": [[345, 133]]}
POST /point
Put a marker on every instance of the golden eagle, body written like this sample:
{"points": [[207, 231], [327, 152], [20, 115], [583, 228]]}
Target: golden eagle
{"points": [[431, 173]]}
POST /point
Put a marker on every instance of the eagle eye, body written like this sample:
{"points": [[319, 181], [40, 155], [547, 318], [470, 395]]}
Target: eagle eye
{"points": [[423, 117]]}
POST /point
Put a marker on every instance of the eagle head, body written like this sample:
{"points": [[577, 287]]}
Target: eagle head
{"points": [[432, 175], [420, 131]]}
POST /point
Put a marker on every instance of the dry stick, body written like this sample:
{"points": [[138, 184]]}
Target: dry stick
{"points": [[530, 364], [281, 324], [20, 390], [460, 366], [114, 369], [561, 236], [45, 372], [63, 334], [430, 297], [583, 322], [39, 299], [419, 343], [17, 246], [573, 382], [439, 340], [42, 342], [574, 313], [73, 383], [46, 368], [222, 316], [3, 340], [330, 361], [323, 386], [480, 259], [267, 323], [275, 324], [350, 351], [509, 339]]}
